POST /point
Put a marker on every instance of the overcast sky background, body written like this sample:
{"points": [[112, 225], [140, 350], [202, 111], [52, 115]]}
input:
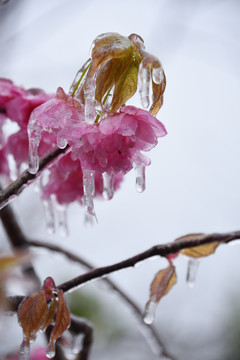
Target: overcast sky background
{"points": [[193, 182]]}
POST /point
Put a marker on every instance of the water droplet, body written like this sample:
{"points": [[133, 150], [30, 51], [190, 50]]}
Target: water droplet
{"points": [[108, 185], [61, 211], [24, 351], [89, 191], [34, 137], [140, 177], [49, 215], [193, 265], [89, 97], [144, 82], [157, 75], [150, 311], [50, 352], [61, 142]]}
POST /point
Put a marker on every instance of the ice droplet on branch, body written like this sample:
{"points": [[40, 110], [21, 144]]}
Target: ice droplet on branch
{"points": [[88, 191], [49, 215], [108, 185], [157, 75], [34, 137], [193, 265], [89, 97], [140, 177], [144, 82], [50, 352], [149, 313]]}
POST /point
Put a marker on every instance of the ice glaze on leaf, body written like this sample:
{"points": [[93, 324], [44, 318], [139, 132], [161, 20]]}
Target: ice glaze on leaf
{"points": [[52, 308], [62, 321], [158, 90], [31, 314], [201, 250], [162, 283]]}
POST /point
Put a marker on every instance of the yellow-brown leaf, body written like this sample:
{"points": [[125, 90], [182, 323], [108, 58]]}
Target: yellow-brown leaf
{"points": [[162, 283], [198, 251]]}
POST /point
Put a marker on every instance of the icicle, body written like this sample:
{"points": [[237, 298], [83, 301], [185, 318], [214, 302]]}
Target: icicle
{"points": [[108, 185], [140, 177], [157, 75], [34, 137], [50, 352], [61, 211], [89, 97], [193, 265], [49, 215], [89, 191], [61, 142], [144, 79], [149, 314], [24, 350], [88, 219]]}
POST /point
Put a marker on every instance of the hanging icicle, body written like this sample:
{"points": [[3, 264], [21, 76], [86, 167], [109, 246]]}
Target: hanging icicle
{"points": [[193, 264], [88, 191], [108, 185], [140, 177]]}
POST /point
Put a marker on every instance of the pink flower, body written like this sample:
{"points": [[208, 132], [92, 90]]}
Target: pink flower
{"points": [[66, 182], [115, 144]]}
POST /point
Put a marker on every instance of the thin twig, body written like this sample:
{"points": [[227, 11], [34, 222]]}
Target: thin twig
{"points": [[151, 333], [17, 186]]}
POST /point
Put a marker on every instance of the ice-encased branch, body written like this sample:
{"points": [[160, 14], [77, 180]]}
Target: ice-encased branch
{"points": [[17, 186]]}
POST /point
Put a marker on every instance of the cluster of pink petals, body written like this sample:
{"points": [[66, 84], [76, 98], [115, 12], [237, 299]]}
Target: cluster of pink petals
{"points": [[113, 144], [66, 182]]}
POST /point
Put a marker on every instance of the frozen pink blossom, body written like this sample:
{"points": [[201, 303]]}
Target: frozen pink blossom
{"points": [[37, 354], [66, 182]]}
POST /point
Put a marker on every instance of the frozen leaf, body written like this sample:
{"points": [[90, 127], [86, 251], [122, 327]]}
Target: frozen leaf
{"points": [[162, 283], [31, 314], [52, 307], [62, 322], [198, 251], [158, 90]]}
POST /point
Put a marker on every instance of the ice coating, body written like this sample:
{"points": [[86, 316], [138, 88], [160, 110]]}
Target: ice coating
{"points": [[88, 191], [61, 141], [49, 215], [108, 185], [157, 75], [75, 87], [193, 265], [140, 177], [150, 311], [34, 137], [144, 84], [50, 352], [89, 98]]}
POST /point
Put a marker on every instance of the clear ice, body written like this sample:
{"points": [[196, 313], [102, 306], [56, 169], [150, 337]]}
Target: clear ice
{"points": [[144, 82], [193, 265], [50, 352], [88, 191], [157, 75], [49, 215], [34, 137], [108, 185], [89, 97], [78, 79], [61, 142], [140, 177], [61, 211], [24, 351], [150, 311]]}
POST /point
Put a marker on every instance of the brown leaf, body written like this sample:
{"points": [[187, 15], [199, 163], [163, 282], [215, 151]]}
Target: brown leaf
{"points": [[31, 314], [62, 321], [52, 307], [162, 283], [198, 251]]}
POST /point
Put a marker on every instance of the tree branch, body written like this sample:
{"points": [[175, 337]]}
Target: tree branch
{"points": [[17, 186], [150, 333]]}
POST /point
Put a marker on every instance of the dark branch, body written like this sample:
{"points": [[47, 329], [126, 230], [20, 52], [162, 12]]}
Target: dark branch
{"points": [[17, 186], [150, 331], [158, 250]]}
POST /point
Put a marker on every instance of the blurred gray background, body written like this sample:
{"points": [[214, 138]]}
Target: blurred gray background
{"points": [[192, 183]]}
